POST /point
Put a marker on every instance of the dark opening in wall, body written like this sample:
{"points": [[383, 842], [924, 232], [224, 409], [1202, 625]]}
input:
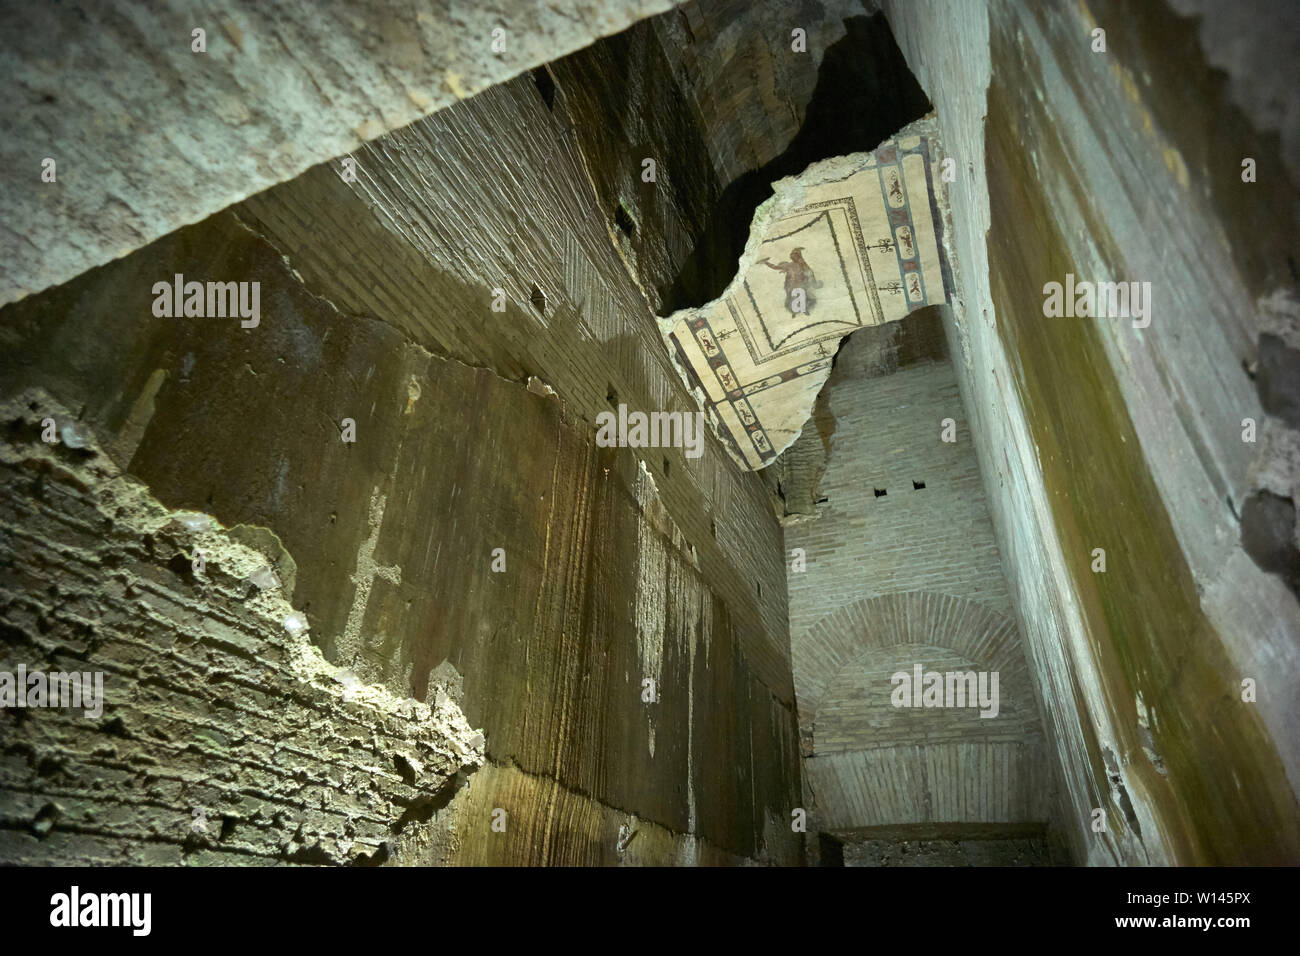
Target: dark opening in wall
{"points": [[1266, 523], [624, 221], [713, 527], [830, 850], [667, 467], [538, 299], [545, 86], [758, 585], [1278, 379], [880, 492], [918, 485], [611, 396]]}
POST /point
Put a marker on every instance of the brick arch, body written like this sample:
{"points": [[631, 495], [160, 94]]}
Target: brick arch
{"points": [[911, 617]]}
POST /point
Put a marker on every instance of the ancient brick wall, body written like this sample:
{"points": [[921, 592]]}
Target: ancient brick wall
{"points": [[902, 568], [222, 735], [936, 538]]}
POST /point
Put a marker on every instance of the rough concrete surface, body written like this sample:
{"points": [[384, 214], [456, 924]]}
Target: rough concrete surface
{"points": [[148, 135]]}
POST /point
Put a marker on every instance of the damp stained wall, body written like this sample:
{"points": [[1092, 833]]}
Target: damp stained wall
{"points": [[1091, 433], [474, 432], [392, 542]]}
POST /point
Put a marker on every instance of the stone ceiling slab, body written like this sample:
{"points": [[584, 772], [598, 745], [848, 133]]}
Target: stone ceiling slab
{"points": [[148, 134]]}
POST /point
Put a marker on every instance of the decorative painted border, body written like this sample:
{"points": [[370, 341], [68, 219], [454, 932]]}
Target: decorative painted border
{"points": [[903, 229]]}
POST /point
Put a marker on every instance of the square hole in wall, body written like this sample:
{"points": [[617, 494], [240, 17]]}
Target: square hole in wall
{"points": [[545, 86], [918, 485], [880, 492], [623, 219], [538, 298]]}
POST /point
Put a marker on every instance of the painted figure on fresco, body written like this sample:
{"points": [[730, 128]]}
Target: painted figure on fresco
{"points": [[800, 281]]}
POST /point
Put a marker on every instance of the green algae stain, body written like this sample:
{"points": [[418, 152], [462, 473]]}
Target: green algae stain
{"points": [[1223, 797]]}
